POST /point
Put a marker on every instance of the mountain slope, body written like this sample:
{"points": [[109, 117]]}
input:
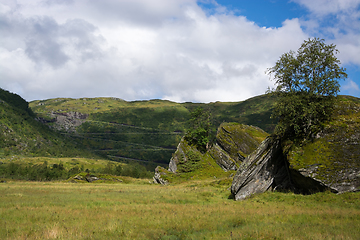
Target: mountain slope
{"points": [[145, 131], [21, 134]]}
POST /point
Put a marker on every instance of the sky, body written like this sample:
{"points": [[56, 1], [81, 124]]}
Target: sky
{"points": [[179, 50]]}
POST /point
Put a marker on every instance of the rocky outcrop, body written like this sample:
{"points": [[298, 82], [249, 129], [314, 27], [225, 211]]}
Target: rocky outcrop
{"points": [[267, 169], [179, 155], [263, 170], [333, 157], [222, 158], [234, 142], [68, 121], [331, 161], [159, 172], [239, 140]]}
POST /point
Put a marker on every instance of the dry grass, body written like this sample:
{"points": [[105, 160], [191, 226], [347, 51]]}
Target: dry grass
{"points": [[195, 210]]}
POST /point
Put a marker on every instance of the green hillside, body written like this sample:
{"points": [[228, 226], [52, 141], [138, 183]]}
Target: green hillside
{"points": [[144, 131], [21, 134]]}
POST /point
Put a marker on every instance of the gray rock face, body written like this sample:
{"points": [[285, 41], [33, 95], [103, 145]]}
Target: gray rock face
{"points": [[263, 170], [222, 158], [157, 176], [267, 169], [179, 153], [234, 142], [68, 121]]}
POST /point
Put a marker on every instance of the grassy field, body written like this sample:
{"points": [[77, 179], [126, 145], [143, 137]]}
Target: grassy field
{"points": [[68, 163], [192, 210]]}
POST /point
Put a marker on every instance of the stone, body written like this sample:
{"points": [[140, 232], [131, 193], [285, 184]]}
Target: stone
{"points": [[265, 169], [91, 178], [222, 158], [158, 176]]}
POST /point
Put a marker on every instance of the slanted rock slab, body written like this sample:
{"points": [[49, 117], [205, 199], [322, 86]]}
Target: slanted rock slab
{"points": [[263, 170]]}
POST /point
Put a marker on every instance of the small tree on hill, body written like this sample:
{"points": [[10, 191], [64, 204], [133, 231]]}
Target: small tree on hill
{"points": [[198, 133], [306, 83]]}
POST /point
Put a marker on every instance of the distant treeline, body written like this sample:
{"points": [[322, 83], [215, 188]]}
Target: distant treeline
{"points": [[45, 172]]}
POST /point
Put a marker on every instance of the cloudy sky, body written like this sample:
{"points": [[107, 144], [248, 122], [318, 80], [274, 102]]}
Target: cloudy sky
{"points": [[180, 50]]}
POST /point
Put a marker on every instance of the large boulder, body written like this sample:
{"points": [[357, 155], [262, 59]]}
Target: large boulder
{"points": [[234, 142], [265, 169], [158, 176], [333, 157], [239, 140]]}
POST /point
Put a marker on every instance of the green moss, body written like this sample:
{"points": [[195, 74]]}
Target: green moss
{"points": [[336, 152], [240, 139]]}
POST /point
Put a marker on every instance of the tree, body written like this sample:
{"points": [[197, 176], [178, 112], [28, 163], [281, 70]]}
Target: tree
{"points": [[198, 133], [306, 83]]}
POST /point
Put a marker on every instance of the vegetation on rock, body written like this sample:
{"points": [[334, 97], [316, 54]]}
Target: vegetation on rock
{"points": [[198, 133], [307, 82], [333, 157], [221, 159]]}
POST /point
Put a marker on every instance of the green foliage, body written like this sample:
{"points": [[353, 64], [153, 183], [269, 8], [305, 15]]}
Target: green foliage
{"points": [[38, 172], [302, 115], [192, 162], [198, 133], [49, 172], [15, 101], [306, 83]]}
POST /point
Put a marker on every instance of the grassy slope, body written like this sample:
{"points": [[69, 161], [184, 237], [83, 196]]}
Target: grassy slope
{"points": [[192, 210], [20, 134], [148, 130]]}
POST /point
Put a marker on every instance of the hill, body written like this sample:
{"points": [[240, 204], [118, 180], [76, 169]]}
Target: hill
{"points": [[143, 131], [21, 134]]}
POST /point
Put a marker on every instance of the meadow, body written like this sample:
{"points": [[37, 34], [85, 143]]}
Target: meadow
{"points": [[190, 210]]}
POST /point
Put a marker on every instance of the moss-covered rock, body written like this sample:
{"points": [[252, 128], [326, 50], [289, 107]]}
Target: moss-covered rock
{"points": [[234, 142], [334, 156], [239, 140]]}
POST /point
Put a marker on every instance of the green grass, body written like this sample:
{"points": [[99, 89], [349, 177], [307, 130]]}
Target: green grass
{"points": [[193, 210], [68, 163]]}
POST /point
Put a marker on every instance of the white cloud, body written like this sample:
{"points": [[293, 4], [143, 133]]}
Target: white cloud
{"points": [[140, 50], [325, 7], [338, 21], [351, 87]]}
